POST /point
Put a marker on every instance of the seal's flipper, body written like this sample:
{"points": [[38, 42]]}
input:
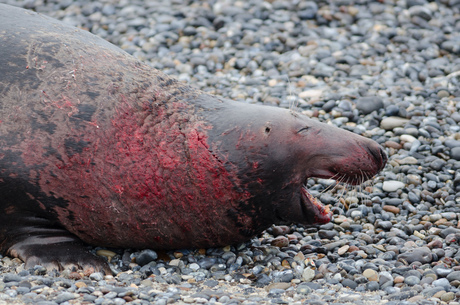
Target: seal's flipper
{"points": [[55, 249]]}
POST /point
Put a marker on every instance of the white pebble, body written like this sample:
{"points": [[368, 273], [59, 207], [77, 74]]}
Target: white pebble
{"points": [[392, 185]]}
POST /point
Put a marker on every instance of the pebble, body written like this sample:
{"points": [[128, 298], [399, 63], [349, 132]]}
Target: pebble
{"points": [[386, 70], [391, 123], [422, 255], [371, 275], [308, 275], [392, 186], [369, 104]]}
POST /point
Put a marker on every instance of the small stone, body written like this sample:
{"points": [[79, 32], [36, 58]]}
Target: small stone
{"points": [[448, 296], [327, 234], [80, 285], [372, 286], [422, 255], [392, 186], [308, 274], [371, 275], [280, 230], [435, 244], [106, 253], [349, 283], [385, 277], [439, 294], [303, 289], [453, 276], [407, 138], [342, 250], [96, 276], [369, 104], [442, 283], [279, 285], [411, 280], [145, 257], [390, 123], [65, 296], [443, 272], [407, 161], [392, 209], [420, 11], [280, 241], [399, 279], [455, 153], [11, 278]]}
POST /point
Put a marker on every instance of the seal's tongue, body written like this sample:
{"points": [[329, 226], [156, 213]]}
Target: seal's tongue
{"points": [[315, 209]]}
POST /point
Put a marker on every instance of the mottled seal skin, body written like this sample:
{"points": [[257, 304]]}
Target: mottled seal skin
{"points": [[98, 148]]}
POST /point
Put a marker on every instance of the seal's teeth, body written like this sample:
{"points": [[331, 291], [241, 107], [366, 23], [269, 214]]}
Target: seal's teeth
{"points": [[322, 213]]}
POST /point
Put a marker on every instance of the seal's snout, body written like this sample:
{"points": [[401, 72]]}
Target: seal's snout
{"points": [[380, 156]]}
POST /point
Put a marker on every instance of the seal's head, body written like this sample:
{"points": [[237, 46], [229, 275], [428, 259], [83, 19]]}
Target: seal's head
{"points": [[277, 151]]}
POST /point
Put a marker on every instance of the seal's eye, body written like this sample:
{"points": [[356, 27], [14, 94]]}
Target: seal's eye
{"points": [[303, 129], [267, 130]]}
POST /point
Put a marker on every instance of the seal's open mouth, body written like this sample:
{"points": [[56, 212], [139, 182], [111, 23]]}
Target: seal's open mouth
{"points": [[314, 210]]}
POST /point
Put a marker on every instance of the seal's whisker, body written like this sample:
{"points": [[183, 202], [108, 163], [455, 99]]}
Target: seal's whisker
{"points": [[343, 189], [329, 188]]}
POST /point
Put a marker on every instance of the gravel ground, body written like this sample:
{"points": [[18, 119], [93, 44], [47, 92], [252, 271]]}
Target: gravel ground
{"points": [[388, 70]]}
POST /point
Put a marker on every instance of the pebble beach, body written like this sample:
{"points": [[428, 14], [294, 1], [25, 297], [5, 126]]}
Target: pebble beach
{"points": [[387, 70]]}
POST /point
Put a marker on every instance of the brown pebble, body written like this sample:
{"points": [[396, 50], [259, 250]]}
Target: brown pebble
{"points": [[178, 254], [342, 250], [441, 222], [393, 144], [448, 296], [105, 289], [280, 241], [299, 257], [379, 247], [392, 209], [291, 237], [398, 279], [393, 248], [80, 285], [435, 244], [432, 275], [107, 253], [127, 298], [283, 286], [416, 298], [353, 249], [75, 276], [439, 294], [280, 230], [371, 275], [88, 271], [285, 264]]}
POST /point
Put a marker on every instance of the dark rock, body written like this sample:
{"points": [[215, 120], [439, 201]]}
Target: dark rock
{"points": [[422, 255]]}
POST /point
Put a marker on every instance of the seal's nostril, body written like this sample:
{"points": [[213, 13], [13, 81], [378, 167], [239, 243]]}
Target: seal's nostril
{"points": [[379, 155]]}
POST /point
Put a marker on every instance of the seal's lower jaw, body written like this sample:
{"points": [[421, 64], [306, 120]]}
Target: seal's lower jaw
{"points": [[313, 210]]}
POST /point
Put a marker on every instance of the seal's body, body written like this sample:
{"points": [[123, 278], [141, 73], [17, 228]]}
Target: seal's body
{"points": [[99, 148]]}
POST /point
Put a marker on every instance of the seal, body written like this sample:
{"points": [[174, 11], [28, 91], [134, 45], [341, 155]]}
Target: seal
{"points": [[98, 148]]}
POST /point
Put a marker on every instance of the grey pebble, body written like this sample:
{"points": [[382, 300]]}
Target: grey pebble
{"points": [[369, 104], [422, 255]]}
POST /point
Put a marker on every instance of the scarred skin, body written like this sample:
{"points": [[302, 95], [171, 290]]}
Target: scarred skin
{"points": [[98, 148]]}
